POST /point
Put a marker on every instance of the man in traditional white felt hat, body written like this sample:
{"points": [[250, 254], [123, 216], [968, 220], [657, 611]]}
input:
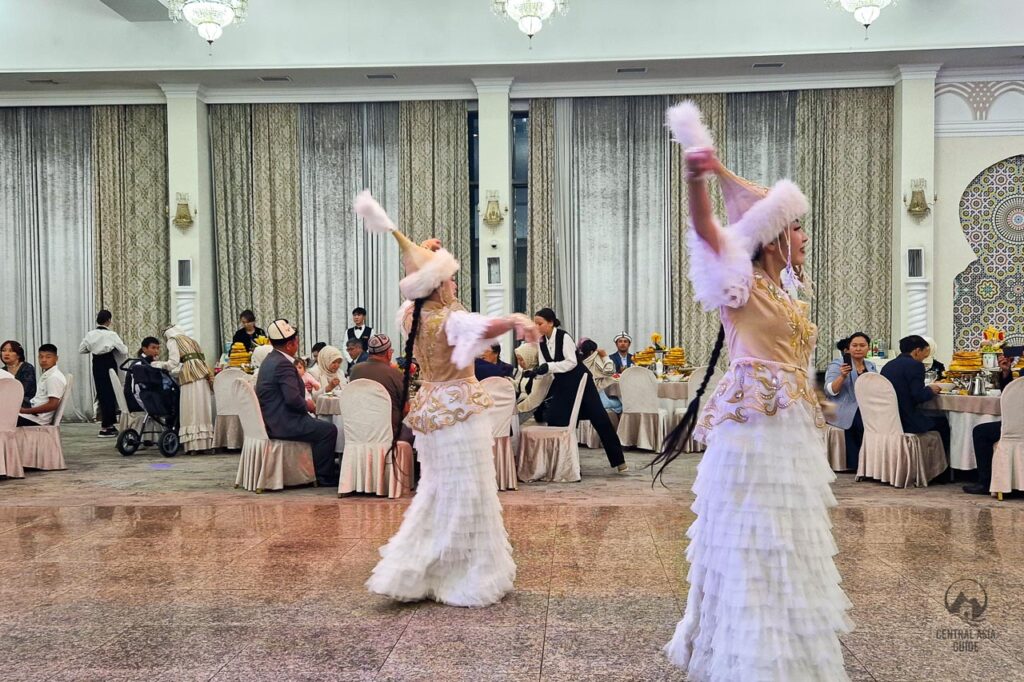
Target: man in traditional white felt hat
{"points": [[282, 397], [622, 358]]}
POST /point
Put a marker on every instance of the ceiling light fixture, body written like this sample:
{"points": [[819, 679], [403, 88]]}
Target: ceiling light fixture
{"points": [[864, 11], [208, 16], [529, 15]]}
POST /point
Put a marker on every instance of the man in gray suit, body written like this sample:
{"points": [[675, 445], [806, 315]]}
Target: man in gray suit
{"points": [[282, 397]]}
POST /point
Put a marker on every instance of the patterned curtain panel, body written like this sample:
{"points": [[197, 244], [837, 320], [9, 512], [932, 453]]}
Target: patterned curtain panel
{"points": [[844, 166], [434, 179], [346, 148], [131, 248], [692, 328], [46, 217], [540, 268], [255, 158]]}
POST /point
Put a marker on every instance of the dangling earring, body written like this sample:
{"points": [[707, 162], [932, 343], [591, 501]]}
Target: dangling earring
{"points": [[790, 279]]}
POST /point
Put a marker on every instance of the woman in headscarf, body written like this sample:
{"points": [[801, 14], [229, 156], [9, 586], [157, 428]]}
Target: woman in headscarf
{"points": [[328, 370], [187, 365], [259, 354], [452, 546], [931, 363], [531, 390]]}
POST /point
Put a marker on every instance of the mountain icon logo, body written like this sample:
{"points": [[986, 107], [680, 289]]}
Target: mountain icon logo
{"points": [[967, 600]]}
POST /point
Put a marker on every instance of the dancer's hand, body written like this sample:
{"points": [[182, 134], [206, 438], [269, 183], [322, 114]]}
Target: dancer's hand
{"points": [[524, 327], [432, 244], [700, 162]]}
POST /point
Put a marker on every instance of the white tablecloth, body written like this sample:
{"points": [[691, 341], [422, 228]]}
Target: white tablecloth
{"points": [[964, 413], [328, 408], [667, 390]]}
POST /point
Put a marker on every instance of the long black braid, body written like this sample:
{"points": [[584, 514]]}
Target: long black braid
{"points": [[676, 440], [410, 343]]}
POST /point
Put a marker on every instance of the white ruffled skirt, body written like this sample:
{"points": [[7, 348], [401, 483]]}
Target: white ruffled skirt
{"points": [[452, 546], [196, 419], [764, 600]]}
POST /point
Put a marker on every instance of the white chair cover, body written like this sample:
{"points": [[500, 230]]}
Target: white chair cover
{"points": [[128, 420], [586, 434], [366, 466], [227, 427], [888, 454], [267, 464], [40, 446], [692, 385], [1008, 458], [835, 444], [502, 414], [550, 453], [643, 423], [11, 395]]}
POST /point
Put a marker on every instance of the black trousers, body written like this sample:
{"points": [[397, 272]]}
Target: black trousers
{"points": [[985, 437], [559, 411], [101, 366], [854, 438], [322, 436]]}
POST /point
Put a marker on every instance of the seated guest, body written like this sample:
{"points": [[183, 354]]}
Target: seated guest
{"points": [[600, 366], [531, 390], [931, 362], [489, 364], [328, 373], [309, 382], [149, 349], [14, 362], [378, 368], [249, 332], [986, 436], [359, 331], [52, 384], [839, 380], [313, 353], [149, 352], [356, 354], [906, 374], [622, 358], [283, 403]]}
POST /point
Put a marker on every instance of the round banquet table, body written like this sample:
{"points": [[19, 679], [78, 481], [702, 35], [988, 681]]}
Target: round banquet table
{"points": [[328, 408], [964, 413], [667, 390]]}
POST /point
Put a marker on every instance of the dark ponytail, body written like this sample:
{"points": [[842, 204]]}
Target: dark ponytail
{"points": [[676, 440], [410, 343]]}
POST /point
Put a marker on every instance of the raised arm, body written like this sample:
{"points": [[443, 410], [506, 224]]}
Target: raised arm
{"points": [[700, 164]]}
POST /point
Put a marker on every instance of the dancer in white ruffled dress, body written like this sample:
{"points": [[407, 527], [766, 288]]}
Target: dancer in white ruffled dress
{"points": [[452, 545], [764, 601]]}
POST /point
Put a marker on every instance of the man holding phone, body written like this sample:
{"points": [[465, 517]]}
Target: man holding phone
{"points": [[986, 436]]}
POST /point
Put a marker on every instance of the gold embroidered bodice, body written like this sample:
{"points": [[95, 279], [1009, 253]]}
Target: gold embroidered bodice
{"points": [[448, 394], [770, 341]]}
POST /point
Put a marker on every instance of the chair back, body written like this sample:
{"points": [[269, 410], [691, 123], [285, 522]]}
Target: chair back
{"points": [[878, 407], [639, 389], [115, 381], [243, 395], [58, 414], [1011, 405], [222, 396], [503, 393], [366, 412], [575, 416], [12, 393], [696, 377]]}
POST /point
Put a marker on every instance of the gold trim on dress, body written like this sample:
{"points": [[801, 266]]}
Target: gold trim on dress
{"points": [[443, 404]]}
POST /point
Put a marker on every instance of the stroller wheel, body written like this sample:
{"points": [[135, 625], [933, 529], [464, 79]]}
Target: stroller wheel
{"points": [[169, 443], [128, 442]]}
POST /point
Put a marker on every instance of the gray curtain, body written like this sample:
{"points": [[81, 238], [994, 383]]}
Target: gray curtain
{"points": [[760, 135], [612, 216], [46, 217], [346, 148]]}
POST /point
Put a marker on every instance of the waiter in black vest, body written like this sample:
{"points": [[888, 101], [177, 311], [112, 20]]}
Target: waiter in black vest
{"points": [[558, 352], [359, 330]]}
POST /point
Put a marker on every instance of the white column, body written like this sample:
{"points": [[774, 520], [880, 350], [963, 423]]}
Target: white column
{"points": [[913, 157], [188, 173], [495, 141]]}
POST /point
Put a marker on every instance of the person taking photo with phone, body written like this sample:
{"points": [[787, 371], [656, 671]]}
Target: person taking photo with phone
{"points": [[840, 376]]}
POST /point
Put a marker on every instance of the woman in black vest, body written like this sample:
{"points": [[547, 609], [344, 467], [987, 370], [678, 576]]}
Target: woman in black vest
{"points": [[559, 356]]}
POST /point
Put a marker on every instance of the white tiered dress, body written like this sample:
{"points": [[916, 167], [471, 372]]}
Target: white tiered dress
{"points": [[452, 546], [764, 600]]}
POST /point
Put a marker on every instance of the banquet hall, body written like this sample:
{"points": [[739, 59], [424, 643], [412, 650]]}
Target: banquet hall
{"points": [[178, 203]]}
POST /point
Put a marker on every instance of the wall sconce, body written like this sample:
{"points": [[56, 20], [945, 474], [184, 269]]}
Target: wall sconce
{"points": [[493, 215], [183, 214], [918, 205]]}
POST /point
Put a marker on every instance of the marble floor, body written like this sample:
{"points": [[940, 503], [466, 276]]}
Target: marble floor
{"points": [[154, 569]]}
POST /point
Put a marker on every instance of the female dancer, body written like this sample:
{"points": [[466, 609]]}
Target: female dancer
{"points": [[764, 600], [452, 546], [561, 358]]}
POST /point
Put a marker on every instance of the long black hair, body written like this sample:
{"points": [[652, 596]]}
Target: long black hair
{"points": [[410, 343], [676, 440]]}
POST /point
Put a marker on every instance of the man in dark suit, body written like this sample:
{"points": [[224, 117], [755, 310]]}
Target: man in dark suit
{"points": [[622, 358], [986, 436], [282, 397], [359, 330], [906, 374], [356, 354], [490, 364]]}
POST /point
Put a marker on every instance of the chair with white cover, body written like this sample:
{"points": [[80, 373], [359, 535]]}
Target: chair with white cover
{"points": [[40, 445], [643, 423], [366, 466], [887, 454], [692, 386], [1008, 457], [502, 414], [11, 395], [835, 445], [267, 464], [587, 434], [227, 428], [551, 453], [128, 419]]}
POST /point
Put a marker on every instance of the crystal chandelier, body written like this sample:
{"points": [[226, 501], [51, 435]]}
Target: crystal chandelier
{"points": [[865, 11], [208, 16], [529, 15]]}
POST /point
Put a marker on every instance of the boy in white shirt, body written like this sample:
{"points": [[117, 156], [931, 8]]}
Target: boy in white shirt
{"points": [[50, 389]]}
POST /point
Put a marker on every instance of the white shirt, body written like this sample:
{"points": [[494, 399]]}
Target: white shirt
{"points": [[101, 341], [568, 352], [358, 331], [52, 384]]}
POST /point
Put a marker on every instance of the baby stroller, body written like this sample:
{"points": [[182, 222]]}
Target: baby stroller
{"points": [[156, 393]]}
